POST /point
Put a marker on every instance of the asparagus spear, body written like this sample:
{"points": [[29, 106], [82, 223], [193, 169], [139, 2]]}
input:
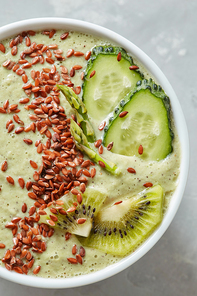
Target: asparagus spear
{"points": [[80, 111], [83, 145]]}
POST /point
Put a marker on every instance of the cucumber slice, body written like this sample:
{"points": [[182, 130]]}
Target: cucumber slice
{"points": [[121, 228], [112, 80], [147, 123]]}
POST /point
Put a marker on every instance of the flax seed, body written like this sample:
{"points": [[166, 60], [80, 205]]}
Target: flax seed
{"points": [[123, 114], [64, 36], [2, 48], [119, 57], [21, 182], [24, 208], [140, 149], [98, 143], [148, 184], [82, 251], [74, 250], [93, 172], [4, 166], [131, 170], [92, 73], [133, 67], [2, 246], [72, 260], [10, 180]]}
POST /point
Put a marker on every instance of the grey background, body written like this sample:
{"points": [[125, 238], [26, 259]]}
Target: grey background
{"points": [[166, 31]]}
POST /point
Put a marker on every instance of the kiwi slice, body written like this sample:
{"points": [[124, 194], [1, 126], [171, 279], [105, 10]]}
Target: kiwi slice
{"points": [[120, 228], [74, 218]]}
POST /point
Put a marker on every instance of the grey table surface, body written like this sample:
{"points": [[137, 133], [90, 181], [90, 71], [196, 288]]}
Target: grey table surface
{"points": [[166, 30]]}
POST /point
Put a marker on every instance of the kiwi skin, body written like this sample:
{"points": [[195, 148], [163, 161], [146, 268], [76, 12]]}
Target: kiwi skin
{"points": [[120, 229]]}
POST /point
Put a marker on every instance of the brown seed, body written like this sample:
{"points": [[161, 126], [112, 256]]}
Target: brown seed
{"points": [[79, 198], [19, 130], [28, 141], [14, 50], [92, 73], [2, 110], [93, 172], [2, 246], [25, 269], [24, 101], [148, 184], [77, 90], [77, 67], [70, 52], [10, 180], [74, 249], [79, 259], [2, 48], [100, 150], [30, 264], [51, 33], [32, 195], [110, 146], [42, 212], [21, 182], [119, 57], [24, 78], [101, 164], [6, 63], [87, 55], [71, 209], [131, 170], [118, 202], [81, 220], [64, 36], [81, 251], [123, 114], [50, 60], [98, 143], [11, 127], [102, 125], [39, 148], [24, 208], [72, 260], [28, 185], [32, 210], [140, 149], [82, 187], [50, 222], [13, 107], [78, 53], [74, 191], [4, 166], [53, 218], [72, 72], [133, 67], [6, 104], [33, 164], [17, 269]]}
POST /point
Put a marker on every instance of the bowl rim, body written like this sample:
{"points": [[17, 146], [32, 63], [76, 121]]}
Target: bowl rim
{"points": [[83, 26]]}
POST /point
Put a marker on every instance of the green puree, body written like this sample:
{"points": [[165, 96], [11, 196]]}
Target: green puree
{"points": [[53, 261]]}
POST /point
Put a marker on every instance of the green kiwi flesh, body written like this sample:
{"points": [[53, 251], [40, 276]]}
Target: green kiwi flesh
{"points": [[121, 228], [92, 200]]}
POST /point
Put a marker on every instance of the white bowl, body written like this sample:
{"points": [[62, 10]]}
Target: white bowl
{"points": [[80, 26]]}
